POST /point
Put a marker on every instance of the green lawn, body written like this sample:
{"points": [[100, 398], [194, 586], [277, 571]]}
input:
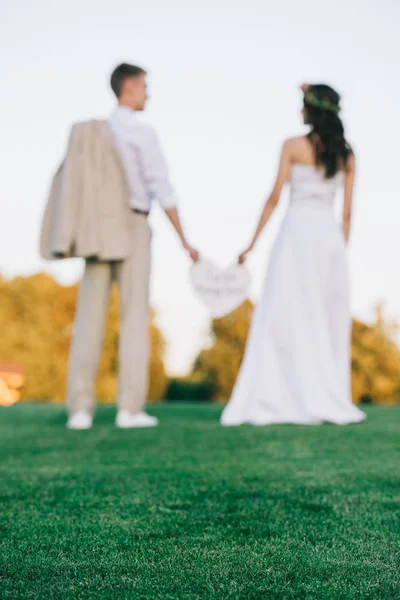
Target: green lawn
{"points": [[195, 511]]}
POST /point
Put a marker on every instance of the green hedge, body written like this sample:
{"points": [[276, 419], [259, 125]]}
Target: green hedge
{"points": [[181, 389]]}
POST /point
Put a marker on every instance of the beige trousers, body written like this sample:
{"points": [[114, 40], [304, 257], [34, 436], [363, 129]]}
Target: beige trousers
{"points": [[132, 276]]}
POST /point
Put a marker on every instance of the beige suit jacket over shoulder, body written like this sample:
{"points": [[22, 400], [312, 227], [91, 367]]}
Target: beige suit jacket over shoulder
{"points": [[87, 212]]}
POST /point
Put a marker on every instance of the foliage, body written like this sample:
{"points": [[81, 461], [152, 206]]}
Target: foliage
{"points": [[375, 362], [196, 387], [36, 321], [375, 357], [221, 362]]}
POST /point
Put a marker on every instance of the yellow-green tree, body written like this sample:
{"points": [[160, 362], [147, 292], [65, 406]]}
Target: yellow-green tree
{"points": [[375, 361], [36, 325], [375, 357], [221, 362]]}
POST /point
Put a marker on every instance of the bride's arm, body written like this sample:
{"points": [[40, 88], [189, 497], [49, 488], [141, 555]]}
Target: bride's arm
{"points": [[348, 194], [272, 201]]}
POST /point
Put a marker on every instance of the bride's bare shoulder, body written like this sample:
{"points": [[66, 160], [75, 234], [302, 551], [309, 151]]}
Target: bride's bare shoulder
{"points": [[295, 146], [297, 142], [299, 150]]}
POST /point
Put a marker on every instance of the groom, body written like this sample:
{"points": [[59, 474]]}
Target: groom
{"points": [[109, 228]]}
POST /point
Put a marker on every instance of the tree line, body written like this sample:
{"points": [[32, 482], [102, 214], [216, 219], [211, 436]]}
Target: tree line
{"points": [[36, 325]]}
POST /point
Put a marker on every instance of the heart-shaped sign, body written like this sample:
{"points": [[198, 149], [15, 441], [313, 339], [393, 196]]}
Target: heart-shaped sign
{"points": [[221, 290]]}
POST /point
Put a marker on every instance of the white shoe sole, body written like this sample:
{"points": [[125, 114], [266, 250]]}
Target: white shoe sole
{"points": [[131, 426]]}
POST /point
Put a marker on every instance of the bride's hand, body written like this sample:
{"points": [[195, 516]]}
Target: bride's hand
{"points": [[243, 255]]}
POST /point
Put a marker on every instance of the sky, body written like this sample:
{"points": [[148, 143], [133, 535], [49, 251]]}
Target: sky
{"points": [[224, 82]]}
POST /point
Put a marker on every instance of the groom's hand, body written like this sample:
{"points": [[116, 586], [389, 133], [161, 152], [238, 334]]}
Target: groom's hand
{"points": [[173, 216], [194, 254]]}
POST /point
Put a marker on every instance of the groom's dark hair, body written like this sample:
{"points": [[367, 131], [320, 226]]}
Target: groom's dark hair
{"points": [[122, 72]]}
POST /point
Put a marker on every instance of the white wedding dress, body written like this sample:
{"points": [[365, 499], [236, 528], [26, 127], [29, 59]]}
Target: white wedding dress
{"points": [[296, 367]]}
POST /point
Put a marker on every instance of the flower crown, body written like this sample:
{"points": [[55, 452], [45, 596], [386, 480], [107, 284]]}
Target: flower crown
{"points": [[313, 100]]}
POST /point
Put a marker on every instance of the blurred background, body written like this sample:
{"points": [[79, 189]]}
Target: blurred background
{"points": [[224, 84]]}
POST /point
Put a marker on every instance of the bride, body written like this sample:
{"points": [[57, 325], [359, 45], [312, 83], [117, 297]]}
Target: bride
{"points": [[296, 367]]}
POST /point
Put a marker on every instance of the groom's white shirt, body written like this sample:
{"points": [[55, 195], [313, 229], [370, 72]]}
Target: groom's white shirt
{"points": [[143, 160]]}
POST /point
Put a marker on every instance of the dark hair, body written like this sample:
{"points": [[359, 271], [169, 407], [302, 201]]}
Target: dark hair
{"points": [[121, 73], [327, 134]]}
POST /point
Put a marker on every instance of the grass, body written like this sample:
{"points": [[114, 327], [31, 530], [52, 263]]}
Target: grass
{"points": [[194, 511]]}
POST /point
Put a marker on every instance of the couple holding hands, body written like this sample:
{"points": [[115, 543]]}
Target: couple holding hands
{"points": [[296, 367]]}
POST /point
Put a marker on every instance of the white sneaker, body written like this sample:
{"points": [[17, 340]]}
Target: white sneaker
{"points": [[80, 420], [126, 420]]}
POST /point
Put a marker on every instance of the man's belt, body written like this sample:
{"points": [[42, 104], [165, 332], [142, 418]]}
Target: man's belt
{"points": [[145, 213]]}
